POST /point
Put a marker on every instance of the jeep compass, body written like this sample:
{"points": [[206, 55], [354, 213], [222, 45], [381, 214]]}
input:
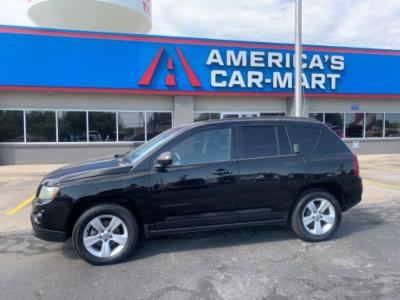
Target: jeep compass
{"points": [[202, 176]]}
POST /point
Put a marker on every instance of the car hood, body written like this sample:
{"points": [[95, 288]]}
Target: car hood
{"points": [[88, 169]]}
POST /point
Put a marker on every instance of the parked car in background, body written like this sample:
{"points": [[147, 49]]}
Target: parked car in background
{"points": [[218, 174]]}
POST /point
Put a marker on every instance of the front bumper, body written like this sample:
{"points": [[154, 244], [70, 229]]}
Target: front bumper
{"points": [[46, 234]]}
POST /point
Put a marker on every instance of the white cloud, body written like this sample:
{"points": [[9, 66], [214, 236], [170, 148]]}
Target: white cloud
{"points": [[362, 23], [13, 12]]}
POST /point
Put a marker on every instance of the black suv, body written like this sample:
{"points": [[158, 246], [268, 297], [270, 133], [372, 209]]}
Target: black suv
{"points": [[202, 176]]}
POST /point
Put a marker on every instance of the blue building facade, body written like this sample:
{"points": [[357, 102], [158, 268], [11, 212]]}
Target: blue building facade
{"points": [[66, 95]]}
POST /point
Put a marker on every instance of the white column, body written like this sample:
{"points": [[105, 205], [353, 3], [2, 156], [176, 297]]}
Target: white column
{"points": [[183, 110]]}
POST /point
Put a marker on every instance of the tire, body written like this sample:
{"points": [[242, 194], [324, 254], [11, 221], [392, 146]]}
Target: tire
{"points": [[108, 242], [306, 217]]}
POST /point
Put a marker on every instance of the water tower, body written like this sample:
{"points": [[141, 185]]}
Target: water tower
{"points": [[123, 16]]}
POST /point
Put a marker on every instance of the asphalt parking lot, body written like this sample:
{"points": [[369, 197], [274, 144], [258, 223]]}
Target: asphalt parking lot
{"points": [[361, 262]]}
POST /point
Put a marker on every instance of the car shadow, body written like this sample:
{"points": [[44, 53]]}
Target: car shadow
{"points": [[367, 217], [362, 218]]}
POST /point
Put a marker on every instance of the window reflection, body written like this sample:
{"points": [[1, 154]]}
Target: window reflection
{"points": [[158, 123], [392, 125], [259, 141], [354, 125], [335, 121], [199, 117], [272, 114], [317, 116], [102, 127], [373, 125], [131, 126], [71, 126], [203, 147], [11, 126], [40, 126]]}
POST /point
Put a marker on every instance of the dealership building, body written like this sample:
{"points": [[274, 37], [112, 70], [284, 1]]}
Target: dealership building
{"points": [[67, 96]]}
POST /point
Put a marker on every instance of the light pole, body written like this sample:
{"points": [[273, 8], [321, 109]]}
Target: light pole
{"points": [[298, 93]]}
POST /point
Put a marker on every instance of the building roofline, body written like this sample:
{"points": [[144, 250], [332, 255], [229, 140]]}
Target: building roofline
{"points": [[187, 40]]}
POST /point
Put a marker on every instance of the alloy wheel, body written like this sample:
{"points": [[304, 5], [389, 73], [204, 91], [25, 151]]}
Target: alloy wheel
{"points": [[319, 216], [105, 236]]}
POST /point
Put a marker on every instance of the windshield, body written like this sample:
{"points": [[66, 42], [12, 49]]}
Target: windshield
{"points": [[153, 143]]}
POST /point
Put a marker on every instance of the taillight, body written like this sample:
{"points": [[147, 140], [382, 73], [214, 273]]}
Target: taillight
{"points": [[356, 166]]}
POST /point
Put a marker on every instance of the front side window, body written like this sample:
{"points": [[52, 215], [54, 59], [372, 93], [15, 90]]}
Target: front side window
{"points": [[207, 146], [11, 126], [71, 126], [354, 125], [258, 141], [40, 126], [102, 127], [392, 125], [154, 143]]}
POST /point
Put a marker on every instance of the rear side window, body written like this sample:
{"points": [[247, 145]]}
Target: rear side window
{"points": [[304, 138], [258, 141], [330, 143], [284, 144]]}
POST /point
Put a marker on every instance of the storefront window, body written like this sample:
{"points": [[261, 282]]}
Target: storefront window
{"points": [[102, 127], [373, 125], [158, 123], [71, 126], [317, 116], [354, 125], [215, 116], [272, 114], [40, 126], [335, 121], [131, 126], [198, 117], [392, 125], [11, 126]]}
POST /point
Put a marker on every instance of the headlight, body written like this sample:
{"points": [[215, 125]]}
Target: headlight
{"points": [[47, 193]]}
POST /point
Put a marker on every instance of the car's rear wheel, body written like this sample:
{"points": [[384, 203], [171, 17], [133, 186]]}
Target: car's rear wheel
{"points": [[105, 234], [316, 216]]}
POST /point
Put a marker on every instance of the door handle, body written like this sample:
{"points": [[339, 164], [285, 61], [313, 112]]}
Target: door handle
{"points": [[221, 172]]}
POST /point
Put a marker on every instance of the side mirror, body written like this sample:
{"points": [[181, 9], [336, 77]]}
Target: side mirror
{"points": [[164, 160]]}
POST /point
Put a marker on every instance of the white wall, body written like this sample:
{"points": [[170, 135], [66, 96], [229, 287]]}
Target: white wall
{"points": [[85, 101], [239, 104], [344, 105]]}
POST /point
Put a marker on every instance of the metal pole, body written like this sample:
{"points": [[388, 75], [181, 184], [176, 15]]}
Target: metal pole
{"points": [[298, 93]]}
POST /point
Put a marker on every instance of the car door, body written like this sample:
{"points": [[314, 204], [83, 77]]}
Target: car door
{"points": [[270, 174], [197, 189]]}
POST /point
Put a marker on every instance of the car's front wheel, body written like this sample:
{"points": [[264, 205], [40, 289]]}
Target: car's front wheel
{"points": [[105, 234], [316, 216]]}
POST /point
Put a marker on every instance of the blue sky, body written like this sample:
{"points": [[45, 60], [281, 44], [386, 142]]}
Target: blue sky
{"points": [[360, 23]]}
